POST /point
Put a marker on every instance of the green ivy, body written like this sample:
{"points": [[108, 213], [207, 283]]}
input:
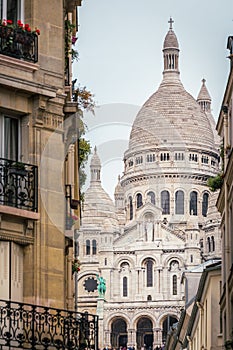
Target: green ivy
{"points": [[215, 183]]}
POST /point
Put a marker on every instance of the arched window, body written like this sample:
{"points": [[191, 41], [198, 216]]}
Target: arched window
{"points": [[139, 200], [213, 243], [208, 244], [88, 247], [149, 297], [130, 208], [174, 285], [152, 197], [193, 203], [165, 202], [94, 247], [149, 273], [179, 202], [205, 201], [125, 287]]}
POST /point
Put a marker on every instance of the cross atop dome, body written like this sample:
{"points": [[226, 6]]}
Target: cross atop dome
{"points": [[170, 22]]}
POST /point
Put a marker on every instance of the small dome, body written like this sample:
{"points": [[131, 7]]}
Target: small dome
{"points": [[170, 40], [95, 160], [97, 203], [97, 207], [119, 189], [204, 93]]}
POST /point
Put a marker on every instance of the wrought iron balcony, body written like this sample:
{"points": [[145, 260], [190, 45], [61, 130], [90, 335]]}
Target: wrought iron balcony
{"points": [[17, 43], [18, 185], [27, 326]]}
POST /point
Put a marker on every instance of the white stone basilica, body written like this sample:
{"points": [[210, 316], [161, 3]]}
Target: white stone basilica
{"points": [[163, 221]]}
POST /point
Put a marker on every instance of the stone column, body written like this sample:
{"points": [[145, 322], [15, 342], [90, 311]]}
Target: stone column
{"points": [[100, 313], [107, 339], [157, 337], [131, 338]]}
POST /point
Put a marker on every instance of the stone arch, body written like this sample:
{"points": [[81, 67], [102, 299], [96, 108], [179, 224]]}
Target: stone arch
{"points": [[115, 315], [145, 257], [144, 333], [171, 257], [121, 260], [166, 322], [141, 314], [118, 326]]}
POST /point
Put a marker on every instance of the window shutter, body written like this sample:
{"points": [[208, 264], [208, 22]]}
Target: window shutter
{"points": [[4, 270]]}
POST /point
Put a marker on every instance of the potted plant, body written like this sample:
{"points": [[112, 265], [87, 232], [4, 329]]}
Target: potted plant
{"points": [[75, 265]]}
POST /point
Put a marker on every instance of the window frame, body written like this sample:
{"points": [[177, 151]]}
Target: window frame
{"points": [[165, 202], [179, 203], [3, 154], [19, 10], [193, 203]]}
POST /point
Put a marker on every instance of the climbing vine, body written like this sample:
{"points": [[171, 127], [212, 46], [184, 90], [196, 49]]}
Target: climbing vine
{"points": [[215, 183], [86, 103]]}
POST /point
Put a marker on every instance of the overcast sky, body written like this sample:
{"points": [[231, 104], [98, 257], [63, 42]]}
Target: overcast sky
{"points": [[120, 58]]}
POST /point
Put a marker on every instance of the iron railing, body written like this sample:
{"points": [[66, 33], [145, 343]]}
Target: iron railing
{"points": [[18, 185], [28, 326], [17, 43]]}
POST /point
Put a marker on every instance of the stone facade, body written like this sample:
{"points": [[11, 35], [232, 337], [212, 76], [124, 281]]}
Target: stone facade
{"points": [[34, 250], [225, 205], [161, 223]]}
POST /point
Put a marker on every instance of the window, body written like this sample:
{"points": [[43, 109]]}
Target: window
{"points": [[193, 203], [151, 196], [208, 244], [179, 156], [9, 146], [88, 247], [213, 243], [105, 261], [205, 159], [139, 160], [139, 200], [150, 158], [12, 9], [164, 156], [179, 202], [149, 298], [149, 273], [193, 157], [191, 258], [11, 272], [94, 247], [165, 202], [125, 287], [205, 201], [130, 163], [174, 285], [130, 208]]}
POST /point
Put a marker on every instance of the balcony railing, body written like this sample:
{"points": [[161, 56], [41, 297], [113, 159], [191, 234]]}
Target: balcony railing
{"points": [[18, 185], [18, 43], [27, 326]]}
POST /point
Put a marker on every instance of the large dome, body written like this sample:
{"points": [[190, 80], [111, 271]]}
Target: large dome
{"points": [[171, 117]]}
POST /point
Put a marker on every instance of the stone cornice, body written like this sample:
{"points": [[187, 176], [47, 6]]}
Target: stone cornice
{"points": [[197, 178], [4, 209], [24, 240]]}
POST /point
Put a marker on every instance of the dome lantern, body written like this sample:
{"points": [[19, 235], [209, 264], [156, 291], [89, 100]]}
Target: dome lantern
{"points": [[171, 51]]}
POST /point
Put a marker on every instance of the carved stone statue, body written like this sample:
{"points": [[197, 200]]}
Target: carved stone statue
{"points": [[149, 230]]}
